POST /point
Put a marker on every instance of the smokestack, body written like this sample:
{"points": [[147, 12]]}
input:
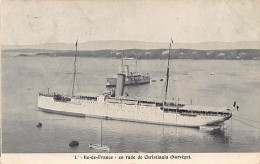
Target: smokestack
{"points": [[126, 70], [120, 83], [121, 70]]}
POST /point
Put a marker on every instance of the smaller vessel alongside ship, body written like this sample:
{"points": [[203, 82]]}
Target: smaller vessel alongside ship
{"points": [[131, 78]]}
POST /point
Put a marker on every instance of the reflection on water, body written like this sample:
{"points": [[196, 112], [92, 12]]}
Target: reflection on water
{"points": [[219, 135]]}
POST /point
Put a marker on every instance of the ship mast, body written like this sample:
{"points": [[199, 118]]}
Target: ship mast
{"points": [[75, 69], [101, 133], [122, 63], [168, 71], [136, 62]]}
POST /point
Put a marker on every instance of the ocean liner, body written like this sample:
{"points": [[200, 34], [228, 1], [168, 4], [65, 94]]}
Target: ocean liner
{"points": [[131, 78], [118, 106]]}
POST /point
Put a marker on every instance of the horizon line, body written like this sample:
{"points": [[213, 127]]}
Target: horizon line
{"points": [[128, 41]]}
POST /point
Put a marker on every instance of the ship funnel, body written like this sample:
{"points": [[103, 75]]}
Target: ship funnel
{"points": [[126, 70], [121, 70], [120, 83]]}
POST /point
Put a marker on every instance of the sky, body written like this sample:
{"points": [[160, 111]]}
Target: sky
{"points": [[187, 21]]}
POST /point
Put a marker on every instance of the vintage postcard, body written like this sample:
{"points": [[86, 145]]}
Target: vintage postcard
{"points": [[171, 81]]}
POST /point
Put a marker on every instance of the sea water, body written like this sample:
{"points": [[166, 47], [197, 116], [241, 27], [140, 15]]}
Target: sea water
{"points": [[190, 81]]}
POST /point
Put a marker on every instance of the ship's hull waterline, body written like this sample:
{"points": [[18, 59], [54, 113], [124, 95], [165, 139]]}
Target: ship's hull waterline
{"points": [[125, 112]]}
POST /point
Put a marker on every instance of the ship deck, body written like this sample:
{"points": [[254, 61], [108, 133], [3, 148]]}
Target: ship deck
{"points": [[167, 105]]}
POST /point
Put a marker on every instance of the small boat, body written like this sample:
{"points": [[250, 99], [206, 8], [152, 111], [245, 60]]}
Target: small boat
{"points": [[131, 78], [100, 146], [39, 125], [74, 143]]}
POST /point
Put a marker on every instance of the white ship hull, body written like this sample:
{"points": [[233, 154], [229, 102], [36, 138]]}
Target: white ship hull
{"points": [[109, 109]]}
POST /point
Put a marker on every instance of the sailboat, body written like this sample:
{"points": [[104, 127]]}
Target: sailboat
{"points": [[100, 146], [117, 106]]}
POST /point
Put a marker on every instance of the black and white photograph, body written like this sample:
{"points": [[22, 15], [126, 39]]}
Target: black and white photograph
{"points": [[131, 77]]}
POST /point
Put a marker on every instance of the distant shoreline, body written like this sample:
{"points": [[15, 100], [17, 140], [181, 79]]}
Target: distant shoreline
{"points": [[232, 54]]}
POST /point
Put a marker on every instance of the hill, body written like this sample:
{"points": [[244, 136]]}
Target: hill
{"points": [[121, 45]]}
